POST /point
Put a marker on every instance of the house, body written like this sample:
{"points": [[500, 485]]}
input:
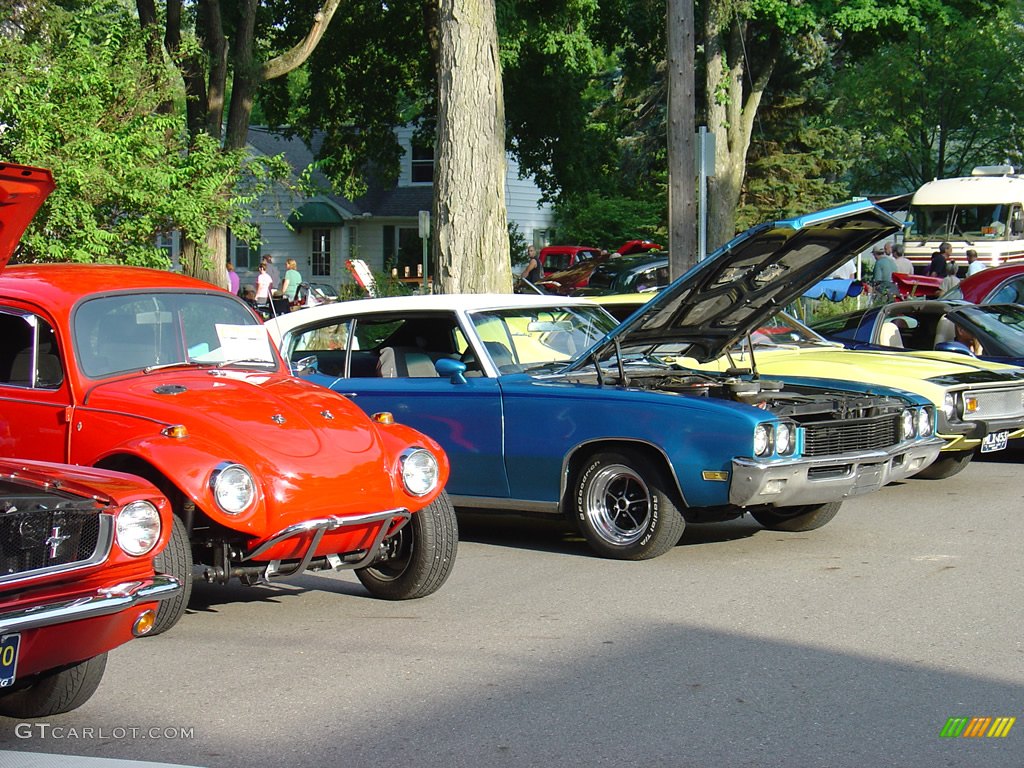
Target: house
{"points": [[382, 228]]}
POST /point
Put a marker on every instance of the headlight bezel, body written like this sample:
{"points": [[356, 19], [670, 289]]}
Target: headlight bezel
{"points": [[425, 476], [144, 517], [231, 472], [785, 438], [908, 424], [949, 408], [925, 423]]}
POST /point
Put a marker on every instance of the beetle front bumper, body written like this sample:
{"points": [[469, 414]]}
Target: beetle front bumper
{"points": [[390, 521], [793, 482]]}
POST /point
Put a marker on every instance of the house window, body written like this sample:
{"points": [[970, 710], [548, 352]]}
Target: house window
{"points": [[165, 242], [422, 171], [321, 252], [243, 255]]}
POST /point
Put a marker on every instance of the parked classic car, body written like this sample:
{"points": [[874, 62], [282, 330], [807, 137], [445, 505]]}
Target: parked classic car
{"points": [[76, 554], [556, 258], [545, 407], [995, 285], [76, 579], [980, 403], [989, 331], [169, 378]]}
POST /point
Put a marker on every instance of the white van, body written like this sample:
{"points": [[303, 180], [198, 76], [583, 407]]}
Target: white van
{"points": [[983, 211]]}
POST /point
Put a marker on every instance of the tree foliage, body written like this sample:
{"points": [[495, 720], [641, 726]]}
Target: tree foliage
{"points": [[80, 99], [935, 104]]}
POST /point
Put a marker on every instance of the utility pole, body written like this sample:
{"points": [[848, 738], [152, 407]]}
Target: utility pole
{"points": [[682, 154]]}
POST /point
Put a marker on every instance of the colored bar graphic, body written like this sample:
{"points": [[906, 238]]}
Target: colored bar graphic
{"points": [[977, 727]]}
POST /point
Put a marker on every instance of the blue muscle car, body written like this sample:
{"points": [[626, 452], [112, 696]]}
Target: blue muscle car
{"points": [[544, 405]]}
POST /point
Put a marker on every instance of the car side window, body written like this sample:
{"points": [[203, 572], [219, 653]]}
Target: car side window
{"points": [[1010, 293], [29, 356]]}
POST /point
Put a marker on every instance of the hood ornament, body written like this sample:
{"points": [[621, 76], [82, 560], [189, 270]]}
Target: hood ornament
{"points": [[277, 418]]}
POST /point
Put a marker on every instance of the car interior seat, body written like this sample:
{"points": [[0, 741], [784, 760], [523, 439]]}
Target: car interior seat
{"points": [[48, 370], [500, 354], [889, 335], [944, 331]]}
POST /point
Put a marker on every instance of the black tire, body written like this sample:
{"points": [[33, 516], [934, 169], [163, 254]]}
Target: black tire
{"points": [[796, 519], [625, 507], [56, 691], [176, 561], [419, 558], [948, 464]]}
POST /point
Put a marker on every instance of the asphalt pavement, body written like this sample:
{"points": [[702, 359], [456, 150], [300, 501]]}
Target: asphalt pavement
{"points": [[853, 645]]}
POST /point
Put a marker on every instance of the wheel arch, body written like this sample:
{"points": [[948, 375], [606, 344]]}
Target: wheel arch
{"points": [[577, 458], [133, 464]]}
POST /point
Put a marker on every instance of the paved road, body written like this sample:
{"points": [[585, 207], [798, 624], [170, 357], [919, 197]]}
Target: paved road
{"points": [[848, 646]]}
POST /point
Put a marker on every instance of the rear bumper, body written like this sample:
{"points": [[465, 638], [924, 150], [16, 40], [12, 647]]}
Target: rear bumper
{"points": [[821, 480]]}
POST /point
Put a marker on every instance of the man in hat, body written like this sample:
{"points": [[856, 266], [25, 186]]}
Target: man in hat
{"points": [[881, 275]]}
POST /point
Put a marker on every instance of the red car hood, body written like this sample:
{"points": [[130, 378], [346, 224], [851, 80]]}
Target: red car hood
{"points": [[266, 413], [22, 191]]}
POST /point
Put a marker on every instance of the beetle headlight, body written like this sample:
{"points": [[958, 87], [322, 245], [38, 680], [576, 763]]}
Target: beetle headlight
{"points": [[419, 471], [949, 405], [907, 424], [138, 527], [924, 422], [762, 439], [233, 488], [784, 439]]}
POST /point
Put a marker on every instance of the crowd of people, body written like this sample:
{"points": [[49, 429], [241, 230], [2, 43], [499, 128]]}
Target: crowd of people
{"points": [[890, 260], [272, 293]]}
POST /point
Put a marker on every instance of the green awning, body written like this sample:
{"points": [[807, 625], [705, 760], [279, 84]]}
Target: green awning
{"points": [[315, 215]]}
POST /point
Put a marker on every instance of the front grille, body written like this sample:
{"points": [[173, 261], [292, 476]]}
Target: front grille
{"points": [[834, 437], [998, 403], [37, 538]]}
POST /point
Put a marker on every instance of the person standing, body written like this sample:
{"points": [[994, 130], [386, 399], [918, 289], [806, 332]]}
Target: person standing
{"points": [[903, 265], [275, 276], [881, 275], [533, 272], [264, 285], [974, 266], [937, 267], [291, 281], [234, 283]]}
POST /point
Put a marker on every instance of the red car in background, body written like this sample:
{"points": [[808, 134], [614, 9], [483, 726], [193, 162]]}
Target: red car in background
{"points": [[557, 258], [995, 285], [176, 381]]}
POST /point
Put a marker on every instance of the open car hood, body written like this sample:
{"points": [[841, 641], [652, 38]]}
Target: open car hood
{"points": [[22, 191], [746, 281]]}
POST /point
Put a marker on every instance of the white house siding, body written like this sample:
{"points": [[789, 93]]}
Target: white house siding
{"points": [[522, 199]]}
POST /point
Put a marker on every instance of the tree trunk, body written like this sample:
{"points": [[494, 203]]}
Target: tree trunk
{"points": [[211, 266], [470, 232], [682, 208], [732, 111]]}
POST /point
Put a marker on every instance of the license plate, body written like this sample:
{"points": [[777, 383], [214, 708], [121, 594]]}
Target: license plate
{"points": [[9, 646], [996, 441]]}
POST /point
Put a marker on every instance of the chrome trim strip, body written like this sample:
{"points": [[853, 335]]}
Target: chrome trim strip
{"points": [[103, 603], [512, 505], [104, 541]]}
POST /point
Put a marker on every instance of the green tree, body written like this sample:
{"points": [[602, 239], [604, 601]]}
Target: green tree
{"points": [[933, 105], [80, 99]]}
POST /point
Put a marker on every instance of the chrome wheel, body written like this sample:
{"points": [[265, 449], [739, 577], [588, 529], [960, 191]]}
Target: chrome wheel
{"points": [[617, 504]]}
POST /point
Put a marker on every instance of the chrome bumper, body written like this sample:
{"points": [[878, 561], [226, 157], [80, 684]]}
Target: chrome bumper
{"points": [[102, 603], [317, 528], [793, 482]]}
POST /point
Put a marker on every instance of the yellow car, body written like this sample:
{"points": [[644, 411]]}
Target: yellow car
{"points": [[980, 404]]}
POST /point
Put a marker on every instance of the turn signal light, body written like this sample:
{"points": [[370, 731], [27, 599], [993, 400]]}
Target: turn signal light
{"points": [[144, 623], [384, 417]]}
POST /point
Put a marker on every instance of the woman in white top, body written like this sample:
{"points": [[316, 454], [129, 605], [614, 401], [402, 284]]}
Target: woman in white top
{"points": [[264, 285]]}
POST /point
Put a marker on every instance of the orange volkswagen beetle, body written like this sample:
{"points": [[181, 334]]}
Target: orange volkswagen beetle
{"points": [[169, 378]]}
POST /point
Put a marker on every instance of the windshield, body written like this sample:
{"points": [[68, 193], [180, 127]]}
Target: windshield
{"points": [[128, 332], [530, 337], [959, 222]]}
